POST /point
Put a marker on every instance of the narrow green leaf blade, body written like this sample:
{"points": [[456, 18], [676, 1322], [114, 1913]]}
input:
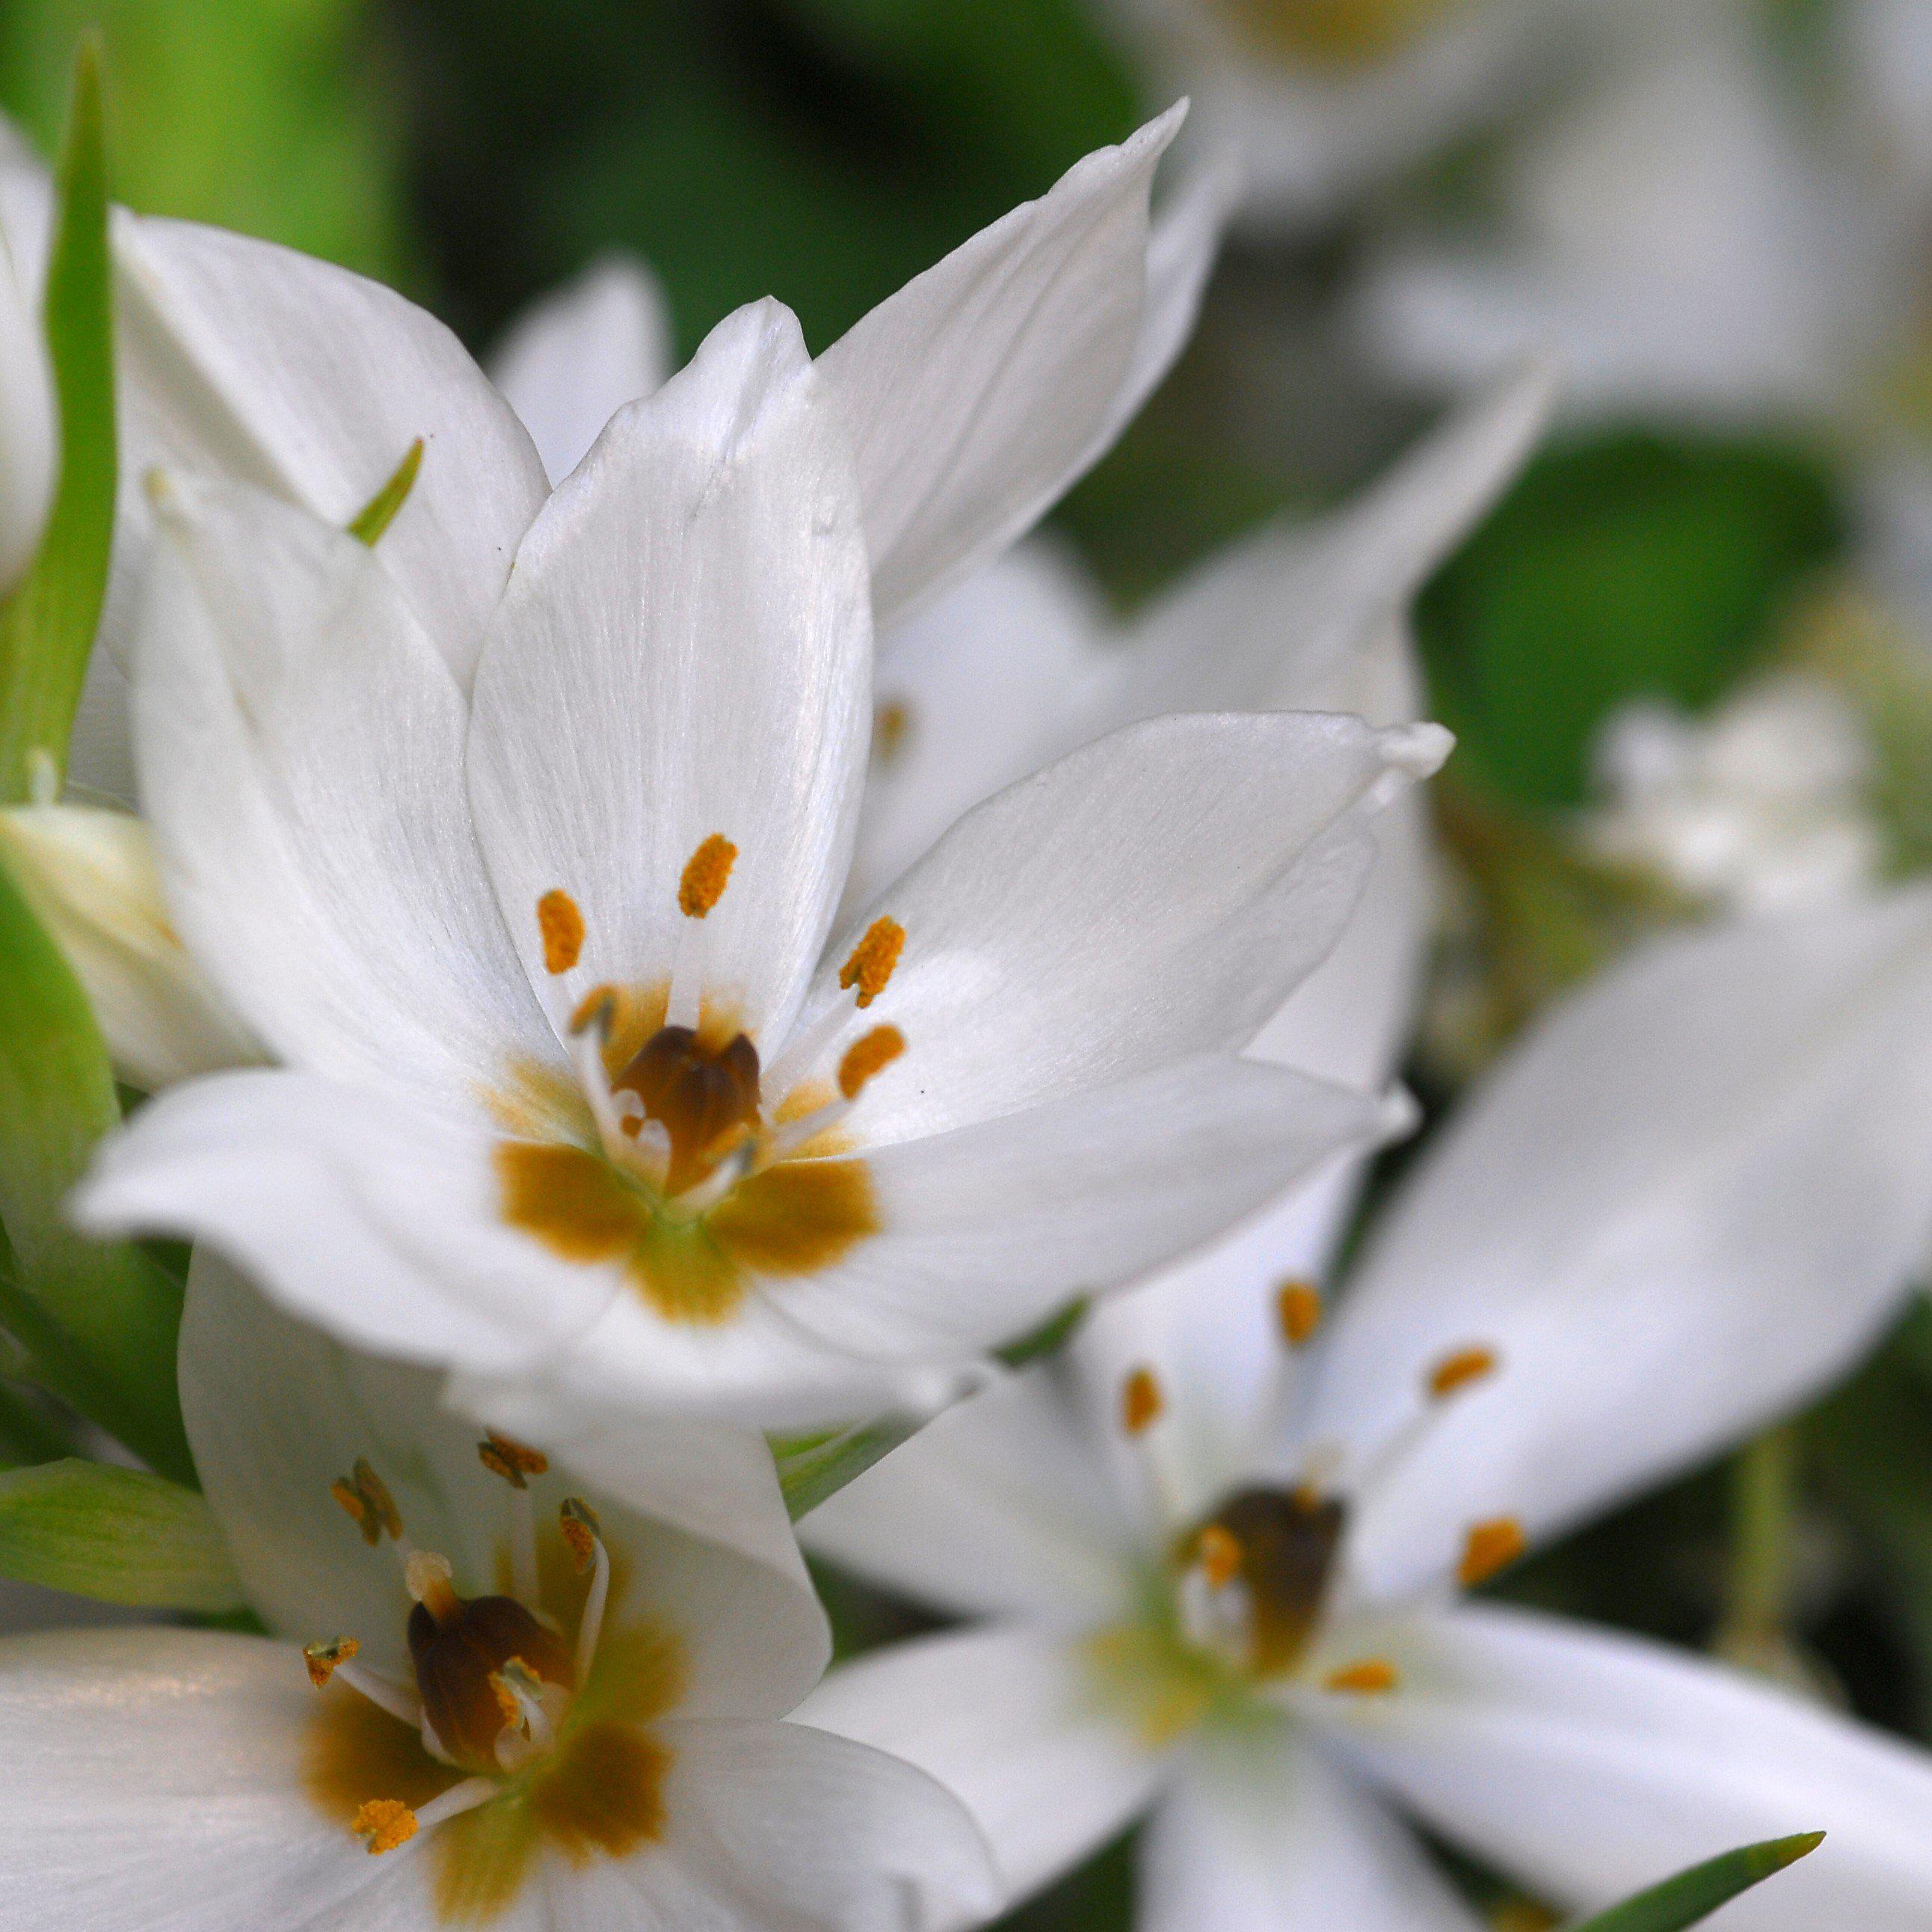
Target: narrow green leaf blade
{"points": [[1692, 1896], [97, 1320], [47, 626], [119, 1535], [811, 1467]]}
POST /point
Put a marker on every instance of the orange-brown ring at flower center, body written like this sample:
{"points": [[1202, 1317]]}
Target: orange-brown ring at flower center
{"points": [[455, 1658], [1337, 34], [1288, 1540], [698, 1092]]}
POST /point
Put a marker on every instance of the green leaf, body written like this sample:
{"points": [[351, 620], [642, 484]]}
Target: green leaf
{"points": [[1693, 1895], [47, 626], [380, 512], [811, 1467], [120, 1535], [98, 1320]]}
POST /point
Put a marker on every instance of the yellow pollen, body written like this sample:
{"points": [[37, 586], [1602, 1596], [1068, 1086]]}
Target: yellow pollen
{"points": [[1373, 1677], [1298, 1308], [870, 1054], [1456, 1372], [428, 1576], [891, 725], [510, 1460], [385, 1822], [581, 1531], [562, 925], [873, 959], [366, 1497], [706, 873], [1219, 1552], [322, 1658], [1489, 1547], [1141, 1402]]}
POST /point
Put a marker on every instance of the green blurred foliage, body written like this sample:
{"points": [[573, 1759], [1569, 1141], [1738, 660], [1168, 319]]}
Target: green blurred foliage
{"points": [[269, 116]]}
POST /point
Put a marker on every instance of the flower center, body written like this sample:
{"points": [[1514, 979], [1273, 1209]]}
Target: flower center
{"points": [[510, 1735], [711, 1168], [1337, 34], [1254, 1577]]}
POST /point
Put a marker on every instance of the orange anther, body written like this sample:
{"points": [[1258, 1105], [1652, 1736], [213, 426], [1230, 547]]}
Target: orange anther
{"points": [[1489, 1547], [1219, 1552], [386, 1823], [562, 925], [873, 960], [867, 1055], [1297, 1309], [322, 1658], [1141, 1402], [706, 873], [1457, 1372], [510, 1460], [1373, 1677]]}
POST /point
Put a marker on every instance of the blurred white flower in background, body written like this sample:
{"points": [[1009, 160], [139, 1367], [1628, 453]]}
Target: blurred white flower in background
{"points": [[1322, 99], [1216, 1548], [27, 413], [1765, 806], [533, 1704]]}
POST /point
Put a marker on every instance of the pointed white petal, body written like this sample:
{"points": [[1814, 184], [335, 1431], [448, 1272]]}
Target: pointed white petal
{"points": [[1006, 1717], [100, 749], [973, 395], [277, 1412], [977, 690], [1263, 1832], [780, 1823], [1693, 1196], [244, 360], [1155, 895], [403, 1246], [1000, 1505], [91, 877], [572, 361], [1589, 1764], [27, 423], [300, 747], [986, 1230], [685, 650], [154, 1784]]}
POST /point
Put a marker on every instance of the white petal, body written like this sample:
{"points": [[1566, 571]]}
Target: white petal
{"points": [[154, 1784], [986, 1230], [100, 748], [1006, 1718], [402, 1246], [1263, 1833], [684, 651], [91, 877], [276, 1412], [1000, 1504], [988, 683], [973, 395], [571, 361], [1589, 1765], [1156, 895], [1690, 1199], [301, 763], [783, 1824], [244, 360], [27, 422]]}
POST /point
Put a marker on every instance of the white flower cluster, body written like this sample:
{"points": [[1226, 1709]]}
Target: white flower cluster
{"points": [[604, 1006]]}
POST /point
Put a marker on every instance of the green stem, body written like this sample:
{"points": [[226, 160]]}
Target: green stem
{"points": [[1764, 1496]]}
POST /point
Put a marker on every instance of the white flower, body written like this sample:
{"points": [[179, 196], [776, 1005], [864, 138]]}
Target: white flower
{"points": [[570, 1076], [1764, 807], [976, 395], [534, 1707], [26, 406], [1322, 99], [1216, 1551], [1675, 236]]}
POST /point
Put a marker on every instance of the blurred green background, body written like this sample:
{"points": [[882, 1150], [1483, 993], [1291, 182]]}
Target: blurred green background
{"points": [[475, 151]]}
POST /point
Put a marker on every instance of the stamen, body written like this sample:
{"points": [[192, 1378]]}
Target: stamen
{"points": [[428, 1577], [562, 925], [1141, 1402], [706, 873], [1218, 1552], [1372, 1677], [384, 1823], [867, 1057], [1461, 1370], [873, 960], [892, 724], [323, 1659], [516, 1464], [585, 1536], [590, 1027], [1489, 1548], [366, 1497], [532, 1709], [1298, 1308]]}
